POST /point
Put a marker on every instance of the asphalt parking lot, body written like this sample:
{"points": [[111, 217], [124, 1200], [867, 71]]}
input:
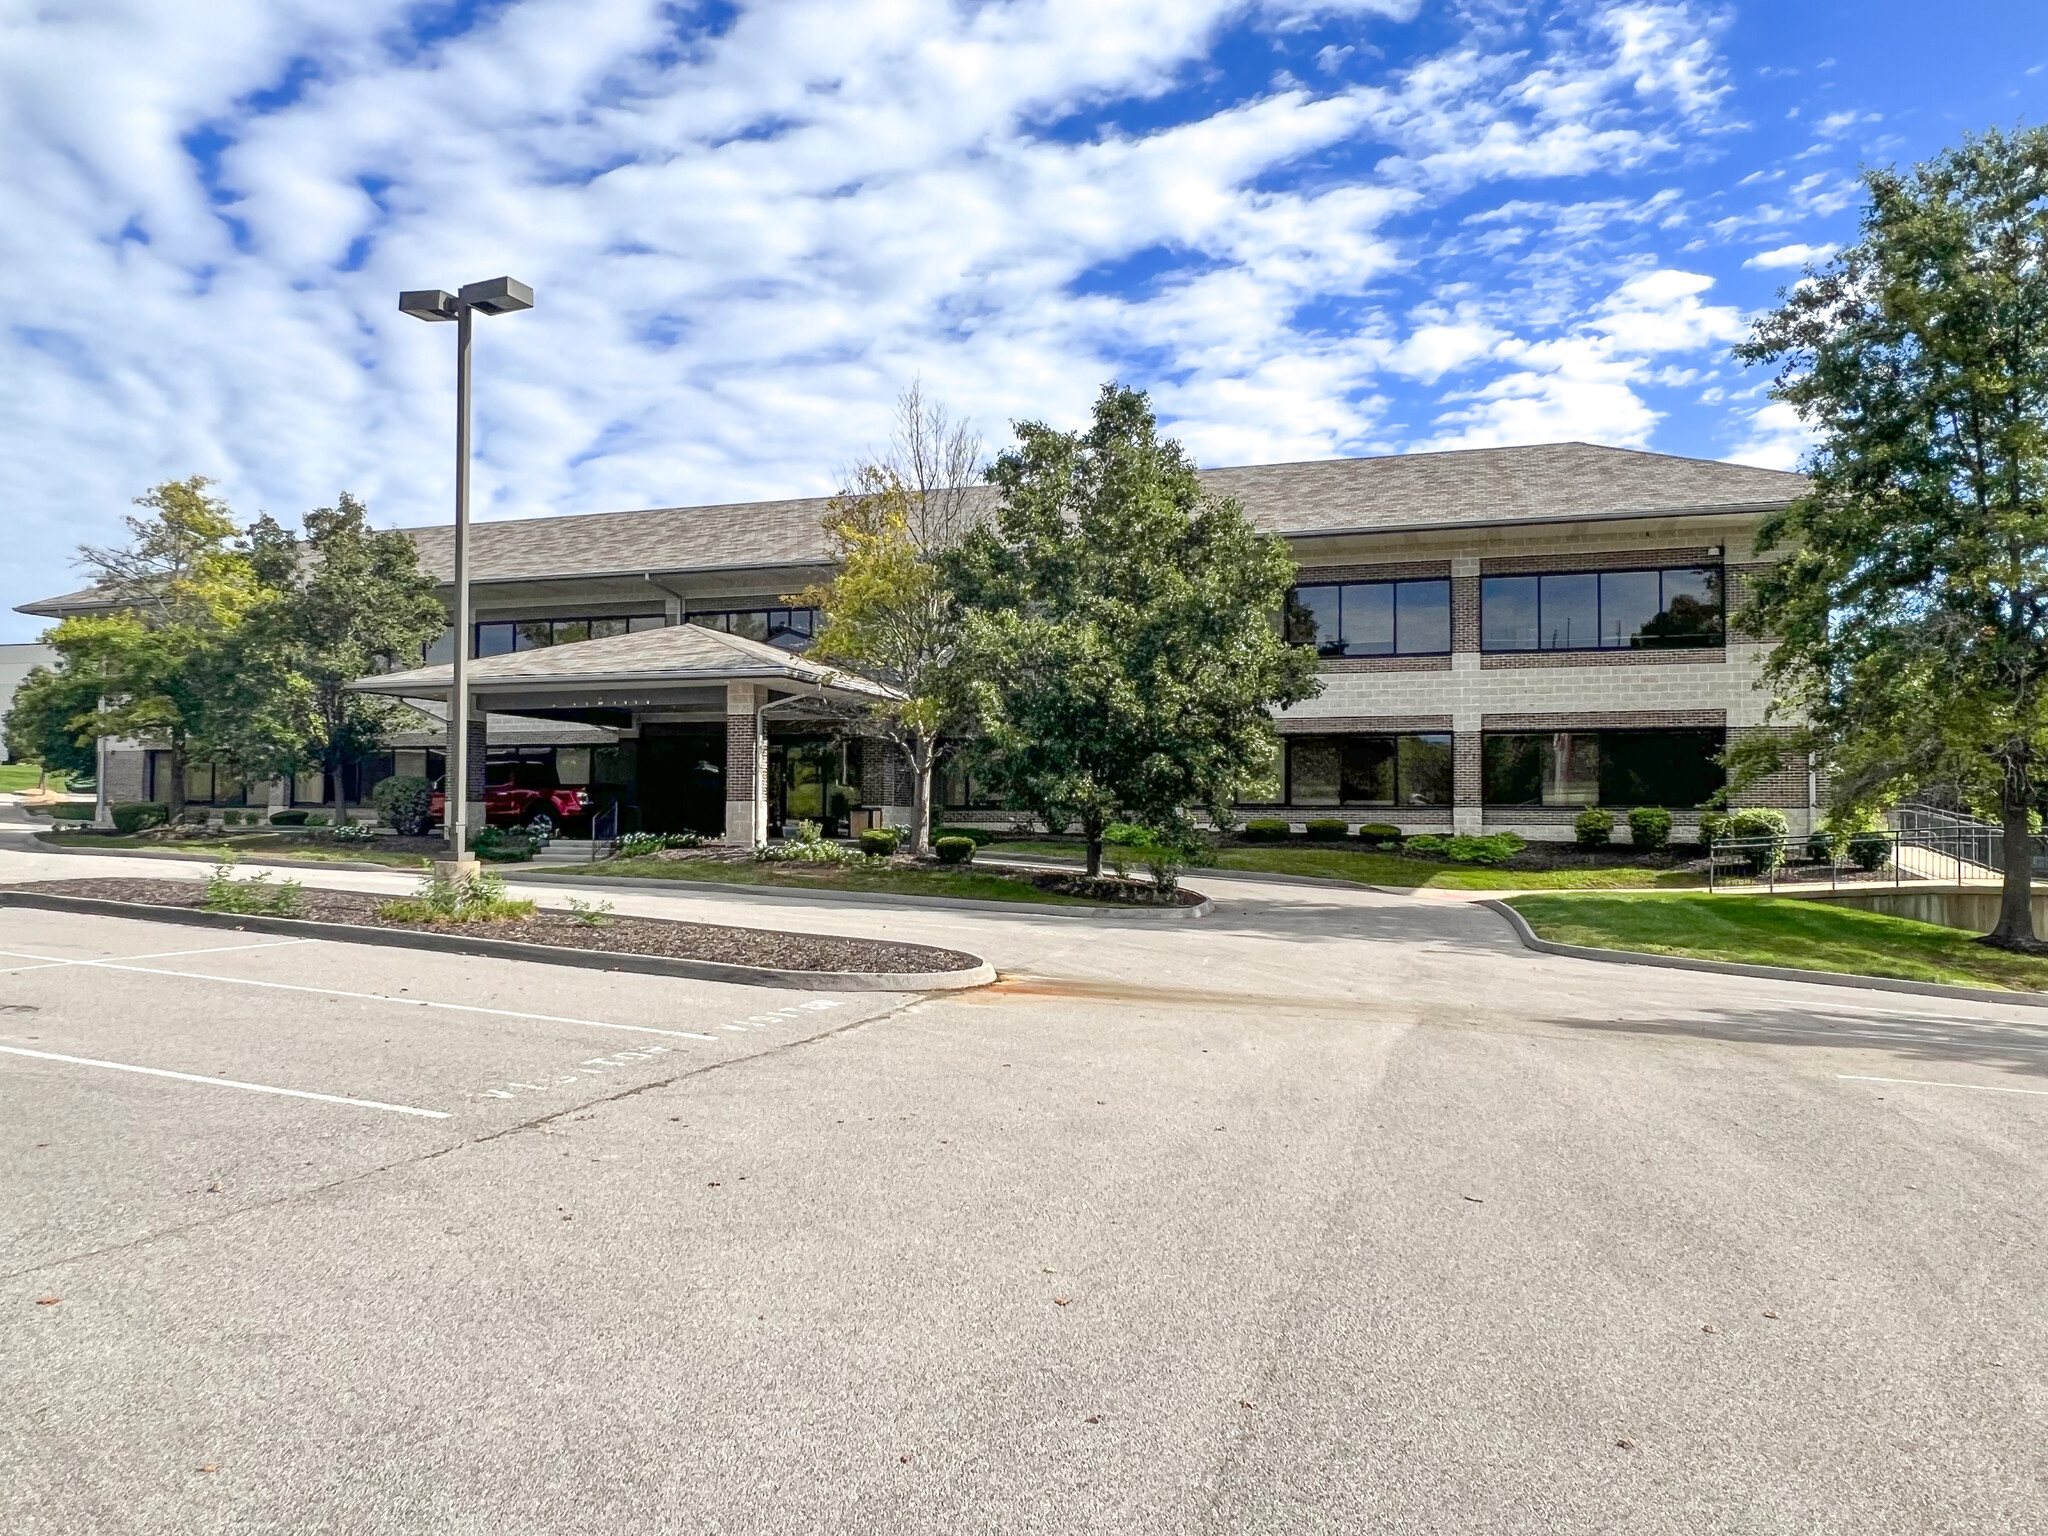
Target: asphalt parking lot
{"points": [[189, 1064], [1335, 1213]]}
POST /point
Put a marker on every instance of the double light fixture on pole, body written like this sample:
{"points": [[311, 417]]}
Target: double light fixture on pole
{"points": [[498, 296]]}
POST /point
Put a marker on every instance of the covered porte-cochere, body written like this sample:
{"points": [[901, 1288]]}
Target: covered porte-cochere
{"points": [[714, 733]]}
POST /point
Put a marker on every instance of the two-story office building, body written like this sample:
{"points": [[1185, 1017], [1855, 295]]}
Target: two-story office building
{"points": [[1508, 636]]}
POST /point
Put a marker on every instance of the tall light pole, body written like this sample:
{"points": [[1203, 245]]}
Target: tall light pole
{"points": [[497, 296]]}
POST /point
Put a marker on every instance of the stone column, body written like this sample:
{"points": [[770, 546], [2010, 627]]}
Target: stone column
{"points": [[746, 765]]}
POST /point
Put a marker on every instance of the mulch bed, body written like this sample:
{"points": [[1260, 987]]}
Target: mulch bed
{"points": [[620, 934]]}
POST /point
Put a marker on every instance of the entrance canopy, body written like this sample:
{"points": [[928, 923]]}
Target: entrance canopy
{"points": [[680, 666]]}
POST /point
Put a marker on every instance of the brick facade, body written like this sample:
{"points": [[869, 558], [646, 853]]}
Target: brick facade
{"points": [[1338, 664], [1788, 788], [1464, 613], [1361, 724], [1527, 661], [1596, 560], [1606, 720], [1385, 570]]}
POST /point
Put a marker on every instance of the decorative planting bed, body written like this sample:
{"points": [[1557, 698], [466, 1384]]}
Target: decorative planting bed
{"points": [[592, 933]]}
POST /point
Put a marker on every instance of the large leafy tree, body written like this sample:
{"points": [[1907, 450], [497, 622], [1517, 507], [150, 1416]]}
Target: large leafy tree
{"points": [[1119, 628], [1913, 600], [52, 721], [889, 611], [343, 600], [162, 661]]}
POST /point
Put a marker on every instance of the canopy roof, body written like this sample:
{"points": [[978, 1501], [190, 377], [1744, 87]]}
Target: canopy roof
{"points": [[651, 662]]}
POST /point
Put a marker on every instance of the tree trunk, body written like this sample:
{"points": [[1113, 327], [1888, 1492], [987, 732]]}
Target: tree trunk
{"points": [[339, 773], [174, 801], [2015, 928], [1091, 828], [922, 749]]}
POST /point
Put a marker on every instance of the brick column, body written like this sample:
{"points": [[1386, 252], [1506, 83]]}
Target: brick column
{"points": [[478, 768], [746, 765], [1468, 814]]}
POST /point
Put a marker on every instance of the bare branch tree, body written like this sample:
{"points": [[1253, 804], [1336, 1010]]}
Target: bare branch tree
{"points": [[939, 461]]}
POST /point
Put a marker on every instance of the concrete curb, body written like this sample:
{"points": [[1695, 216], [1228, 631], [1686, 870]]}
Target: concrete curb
{"points": [[518, 873], [173, 856], [873, 898], [510, 949], [1766, 972]]}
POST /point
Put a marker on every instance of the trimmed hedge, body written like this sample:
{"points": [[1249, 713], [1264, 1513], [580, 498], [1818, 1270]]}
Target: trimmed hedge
{"points": [[981, 837], [954, 850], [1326, 830], [71, 810], [1265, 829], [406, 802], [1649, 827], [288, 818], [1870, 850], [1377, 833], [878, 841], [1593, 828], [131, 816]]}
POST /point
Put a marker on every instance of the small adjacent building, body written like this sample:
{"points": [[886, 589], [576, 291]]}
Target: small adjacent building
{"points": [[1508, 635]]}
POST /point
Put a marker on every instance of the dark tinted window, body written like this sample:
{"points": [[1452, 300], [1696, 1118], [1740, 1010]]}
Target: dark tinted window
{"points": [[1369, 770], [1581, 611], [1372, 618], [494, 639], [1568, 768]]}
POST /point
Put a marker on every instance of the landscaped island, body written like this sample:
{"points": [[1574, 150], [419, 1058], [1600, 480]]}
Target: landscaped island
{"points": [[1779, 930]]}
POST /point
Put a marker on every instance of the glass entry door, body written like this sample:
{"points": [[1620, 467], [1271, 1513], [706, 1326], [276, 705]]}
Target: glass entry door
{"points": [[806, 782]]}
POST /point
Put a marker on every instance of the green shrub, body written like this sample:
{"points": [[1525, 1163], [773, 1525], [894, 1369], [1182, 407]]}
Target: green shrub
{"points": [[1326, 829], [406, 803], [879, 842], [501, 845], [1824, 845], [255, 895], [1711, 823], [1377, 834], [1649, 828], [634, 845], [1870, 850], [954, 850], [288, 818], [981, 837], [1594, 828], [1764, 831], [71, 810], [1264, 829], [1163, 852], [316, 818], [460, 898], [132, 816], [1428, 842], [1493, 848]]}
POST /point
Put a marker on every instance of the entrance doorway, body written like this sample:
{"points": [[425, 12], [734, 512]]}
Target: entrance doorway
{"points": [[682, 779], [807, 781]]}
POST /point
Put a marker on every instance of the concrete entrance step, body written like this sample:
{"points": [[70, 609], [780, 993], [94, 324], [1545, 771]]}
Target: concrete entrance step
{"points": [[571, 850]]}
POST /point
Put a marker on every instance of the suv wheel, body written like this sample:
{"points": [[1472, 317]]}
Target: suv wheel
{"points": [[541, 825]]}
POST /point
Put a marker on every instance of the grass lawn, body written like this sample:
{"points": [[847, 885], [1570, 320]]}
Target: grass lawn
{"points": [[16, 777], [1372, 868], [269, 845], [1778, 930], [963, 884]]}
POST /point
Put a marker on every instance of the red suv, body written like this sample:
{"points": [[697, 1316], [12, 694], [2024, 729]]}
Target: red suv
{"points": [[525, 795]]}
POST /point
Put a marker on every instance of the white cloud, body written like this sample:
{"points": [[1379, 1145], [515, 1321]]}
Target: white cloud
{"points": [[743, 244], [1776, 438], [1585, 383], [1791, 256]]}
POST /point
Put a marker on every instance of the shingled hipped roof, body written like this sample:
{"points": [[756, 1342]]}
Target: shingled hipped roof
{"points": [[675, 655], [1549, 482]]}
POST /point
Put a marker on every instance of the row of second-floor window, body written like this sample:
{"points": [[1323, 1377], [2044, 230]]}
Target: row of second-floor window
{"points": [[1674, 607], [1674, 768], [791, 628]]}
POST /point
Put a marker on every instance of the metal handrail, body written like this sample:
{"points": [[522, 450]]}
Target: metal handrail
{"points": [[604, 825], [1964, 850]]}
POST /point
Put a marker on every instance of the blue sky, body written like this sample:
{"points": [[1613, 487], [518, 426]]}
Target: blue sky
{"points": [[1311, 230]]}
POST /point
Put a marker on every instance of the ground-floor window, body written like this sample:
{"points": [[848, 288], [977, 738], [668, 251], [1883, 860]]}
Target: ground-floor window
{"points": [[205, 783], [957, 787], [1568, 768], [1407, 770]]}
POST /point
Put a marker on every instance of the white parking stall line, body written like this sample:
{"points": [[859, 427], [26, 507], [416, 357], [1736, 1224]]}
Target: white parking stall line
{"points": [[371, 997], [1921, 1082], [228, 1082], [45, 962]]}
